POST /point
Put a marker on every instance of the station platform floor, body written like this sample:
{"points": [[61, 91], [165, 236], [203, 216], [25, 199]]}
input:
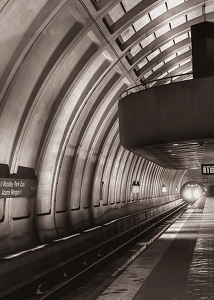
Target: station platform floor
{"points": [[178, 265]]}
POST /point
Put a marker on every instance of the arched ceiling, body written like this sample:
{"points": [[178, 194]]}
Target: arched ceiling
{"points": [[63, 66]]}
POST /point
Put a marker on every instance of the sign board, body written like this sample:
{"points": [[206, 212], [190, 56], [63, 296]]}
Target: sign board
{"points": [[14, 188], [207, 169]]}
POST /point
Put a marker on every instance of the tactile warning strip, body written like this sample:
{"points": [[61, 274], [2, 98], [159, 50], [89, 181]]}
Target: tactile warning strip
{"points": [[200, 283]]}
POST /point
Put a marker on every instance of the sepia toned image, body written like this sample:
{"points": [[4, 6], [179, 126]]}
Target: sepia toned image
{"points": [[106, 149]]}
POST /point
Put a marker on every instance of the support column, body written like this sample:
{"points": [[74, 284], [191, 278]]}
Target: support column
{"points": [[203, 49]]}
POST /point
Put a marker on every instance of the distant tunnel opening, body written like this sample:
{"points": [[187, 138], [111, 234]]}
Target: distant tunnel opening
{"points": [[191, 191]]}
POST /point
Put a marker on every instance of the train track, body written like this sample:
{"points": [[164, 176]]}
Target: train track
{"points": [[67, 277]]}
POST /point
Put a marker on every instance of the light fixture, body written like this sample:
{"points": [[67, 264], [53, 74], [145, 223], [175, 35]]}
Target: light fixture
{"points": [[163, 188], [176, 189], [135, 187]]}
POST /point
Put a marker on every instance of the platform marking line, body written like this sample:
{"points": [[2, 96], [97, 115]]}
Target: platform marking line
{"points": [[142, 249]]}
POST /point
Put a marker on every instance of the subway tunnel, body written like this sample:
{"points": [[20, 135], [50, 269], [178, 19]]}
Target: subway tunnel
{"points": [[64, 67]]}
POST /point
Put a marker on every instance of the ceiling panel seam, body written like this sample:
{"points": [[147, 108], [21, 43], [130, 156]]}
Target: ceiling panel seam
{"points": [[108, 42]]}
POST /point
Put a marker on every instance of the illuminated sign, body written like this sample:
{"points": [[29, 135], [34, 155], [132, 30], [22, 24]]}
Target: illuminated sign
{"points": [[14, 188], [207, 169]]}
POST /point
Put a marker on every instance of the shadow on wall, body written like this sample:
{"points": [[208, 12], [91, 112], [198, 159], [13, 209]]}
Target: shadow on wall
{"points": [[210, 191]]}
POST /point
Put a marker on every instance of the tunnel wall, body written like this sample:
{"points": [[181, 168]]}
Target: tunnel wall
{"points": [[60, 82], [22, 228]]}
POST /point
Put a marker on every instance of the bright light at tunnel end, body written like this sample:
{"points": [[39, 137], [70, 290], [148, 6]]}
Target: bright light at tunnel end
{"points": [[191, 192]]}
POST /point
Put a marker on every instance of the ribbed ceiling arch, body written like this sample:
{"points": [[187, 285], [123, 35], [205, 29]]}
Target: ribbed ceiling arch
{"points": [[63, 67]]}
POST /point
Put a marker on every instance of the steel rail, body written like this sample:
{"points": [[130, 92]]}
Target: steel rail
{"points": [[71, 282]]}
